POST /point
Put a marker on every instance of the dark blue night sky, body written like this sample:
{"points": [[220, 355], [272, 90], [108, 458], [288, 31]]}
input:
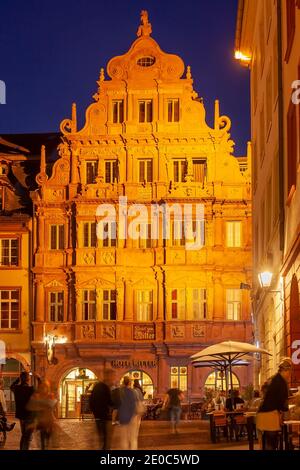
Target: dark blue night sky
{"points": [[52, 51]]}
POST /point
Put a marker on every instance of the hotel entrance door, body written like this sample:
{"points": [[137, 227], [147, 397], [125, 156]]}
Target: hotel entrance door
{"points": [[73, 386]]}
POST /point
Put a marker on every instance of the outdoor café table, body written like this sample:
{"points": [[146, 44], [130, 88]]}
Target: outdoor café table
{"points": [[286, 431]]}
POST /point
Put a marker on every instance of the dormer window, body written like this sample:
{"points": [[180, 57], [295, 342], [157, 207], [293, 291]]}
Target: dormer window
{"points": [[146, 61]]}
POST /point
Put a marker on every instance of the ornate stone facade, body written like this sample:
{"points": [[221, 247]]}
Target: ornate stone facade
{"points": [[145, 138]]}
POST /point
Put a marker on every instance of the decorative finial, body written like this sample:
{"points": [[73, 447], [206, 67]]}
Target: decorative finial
{"points": [[43, 159], [217, 115], [42, 177], [74, 118], [188, 73], [145, 29], [101, 76]]}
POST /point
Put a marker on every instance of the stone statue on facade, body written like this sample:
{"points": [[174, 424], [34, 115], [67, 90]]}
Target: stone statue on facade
{"points": [[145, 29]]}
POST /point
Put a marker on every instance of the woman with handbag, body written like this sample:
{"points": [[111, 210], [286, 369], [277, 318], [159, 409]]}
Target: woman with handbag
{"points": [[275, 402]]}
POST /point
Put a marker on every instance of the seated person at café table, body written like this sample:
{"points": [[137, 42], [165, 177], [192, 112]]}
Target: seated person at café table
{"points": [[233, 399]]}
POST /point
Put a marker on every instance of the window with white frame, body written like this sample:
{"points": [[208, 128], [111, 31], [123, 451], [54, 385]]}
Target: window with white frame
{"points": [[91, 169], [178, 378], [178, 304], [173, 110], [89, 311], [234, 234], [233, 304], [111, 171], [145, 240], [145, 111], [118, 111], [56, 306], [144, 305], [199, 304], [179, 170], [9, 251], [145, 171], [57, 237], [89, 234], [109, 306], [9, 309]]}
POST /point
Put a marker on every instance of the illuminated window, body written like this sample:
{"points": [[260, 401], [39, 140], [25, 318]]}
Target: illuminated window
{"points": [[145, 111], [233, 304], [118, 111], [9, 252], [89, 234], [111, 171], [178, 305], [217, 381], [145, 171], [173, 110], [57, 237], [56, 306], [109, 310], [233, 234], [198, 235], [91, 171], [199, 304], [179, 170], [89, 304], [146, 61], [10, 309], [178, 378], [144, 305]]}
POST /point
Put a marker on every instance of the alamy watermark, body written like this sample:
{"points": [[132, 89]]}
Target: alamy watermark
{"points": [[296, 94], [159, 221], [2, 92]]}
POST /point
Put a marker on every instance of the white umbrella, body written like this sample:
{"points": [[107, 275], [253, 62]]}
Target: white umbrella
{"points": [[228, 352]]}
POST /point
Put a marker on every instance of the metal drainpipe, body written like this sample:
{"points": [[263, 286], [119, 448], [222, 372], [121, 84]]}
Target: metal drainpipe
{"points": [[281, 127]]}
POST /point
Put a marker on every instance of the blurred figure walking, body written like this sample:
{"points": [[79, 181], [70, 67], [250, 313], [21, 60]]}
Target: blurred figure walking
{"points": [[101, 405], [23, 391]]}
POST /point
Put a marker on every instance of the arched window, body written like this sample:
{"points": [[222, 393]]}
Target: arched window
{"points": [[217, 380]]}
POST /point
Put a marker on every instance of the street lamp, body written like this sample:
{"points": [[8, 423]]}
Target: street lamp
{"points": [[50, 341], [265, 279]]}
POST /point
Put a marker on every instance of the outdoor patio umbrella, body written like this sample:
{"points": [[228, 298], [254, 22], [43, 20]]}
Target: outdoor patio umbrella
{"points": [[220, 365], [229, 352]]}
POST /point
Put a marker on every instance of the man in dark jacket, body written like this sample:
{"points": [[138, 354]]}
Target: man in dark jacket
{"points": [[276, 398], [101, 406], [23, 391]]}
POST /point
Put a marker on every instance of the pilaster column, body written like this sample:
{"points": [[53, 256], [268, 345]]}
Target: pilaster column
{"points": [[41, 232], [40, 308], [218, 298], [218, 220], [129, 301], [78, 308]]}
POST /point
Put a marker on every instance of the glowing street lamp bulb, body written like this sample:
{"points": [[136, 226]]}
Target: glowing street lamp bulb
{"points": [[265, 279], [240, 56]]}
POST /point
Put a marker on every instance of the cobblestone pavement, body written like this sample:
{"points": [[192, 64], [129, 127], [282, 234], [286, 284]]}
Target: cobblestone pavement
{"points": [[154, 435]]}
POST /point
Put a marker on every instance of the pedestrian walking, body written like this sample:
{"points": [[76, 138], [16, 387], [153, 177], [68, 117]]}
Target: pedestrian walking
{"points": [[140, 411], [22, 392], [127, 413], [42, 404], [101, 405], [172, 402], [274, 404]]}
